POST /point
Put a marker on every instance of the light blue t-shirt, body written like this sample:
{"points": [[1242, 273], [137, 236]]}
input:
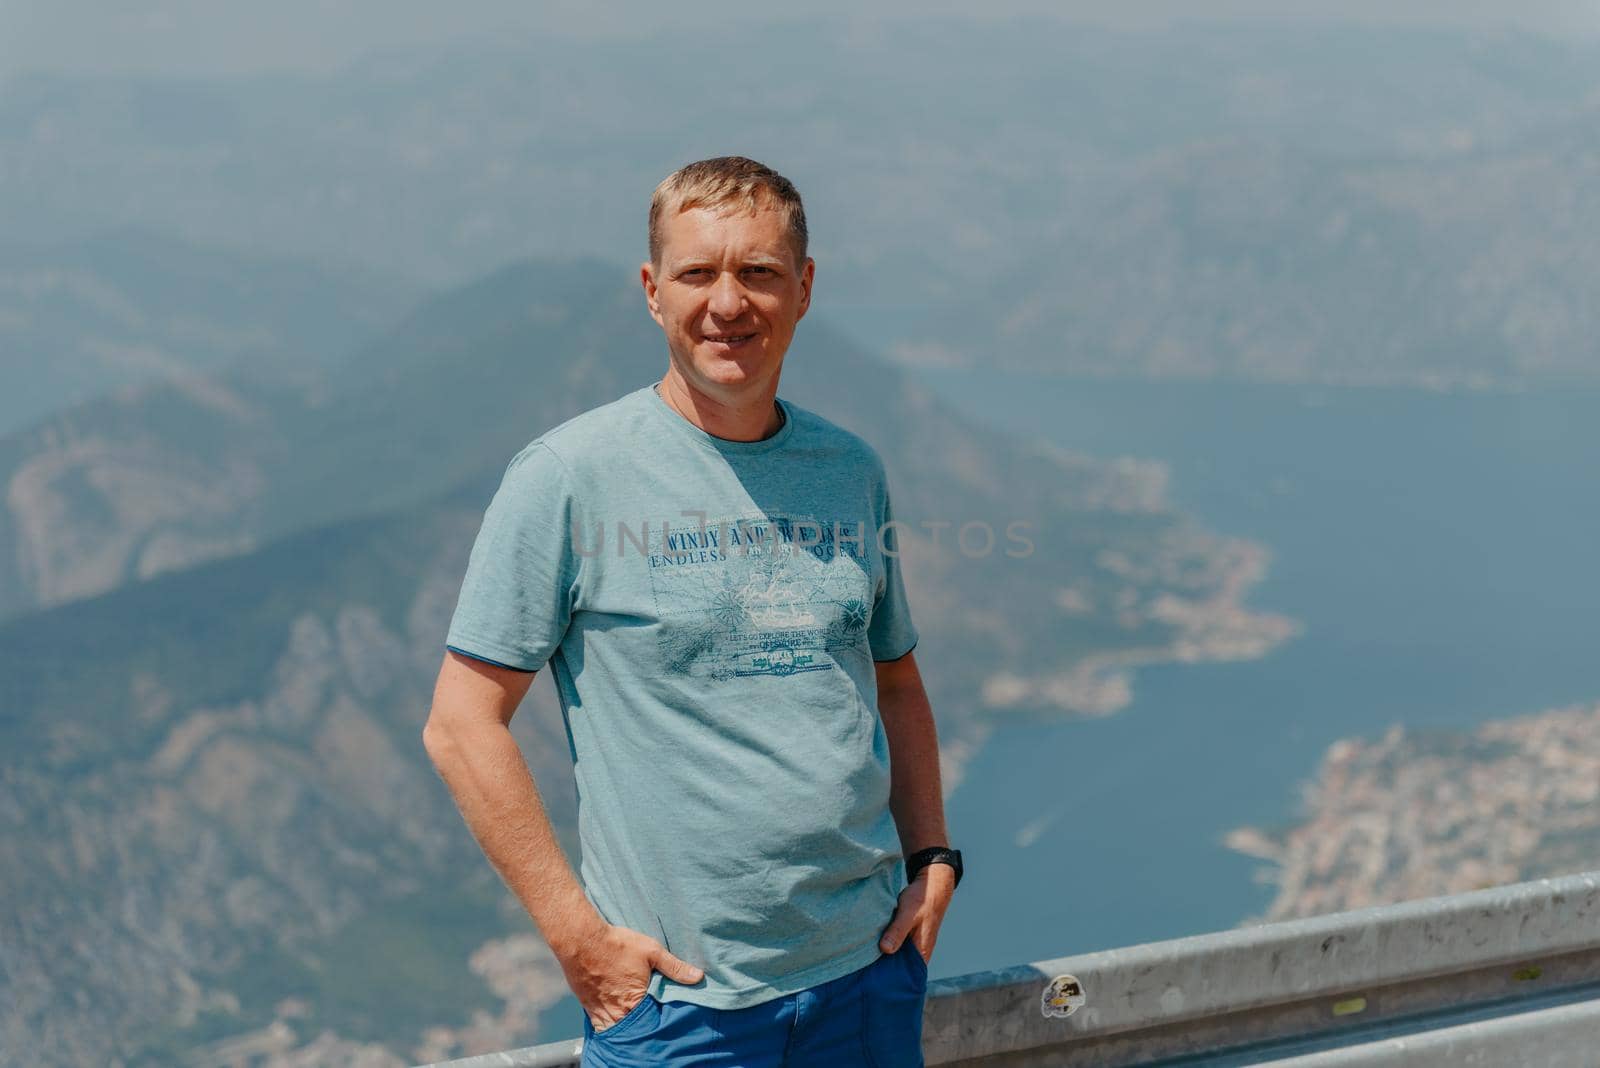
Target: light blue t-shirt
{"points": [[712, 609]]}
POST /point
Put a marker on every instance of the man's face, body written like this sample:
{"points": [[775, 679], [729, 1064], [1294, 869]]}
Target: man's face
{"points": [[727, 294]]}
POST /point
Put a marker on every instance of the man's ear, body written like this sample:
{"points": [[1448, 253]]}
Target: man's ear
{"points": [[648, 280], [807, 275]]}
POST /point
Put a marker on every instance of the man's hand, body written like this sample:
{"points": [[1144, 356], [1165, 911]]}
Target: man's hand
{"points": [[920, 910], [609, 971]]}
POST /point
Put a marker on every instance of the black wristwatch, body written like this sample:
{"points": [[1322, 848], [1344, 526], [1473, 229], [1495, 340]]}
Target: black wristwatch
{"points": [[933, 855]]}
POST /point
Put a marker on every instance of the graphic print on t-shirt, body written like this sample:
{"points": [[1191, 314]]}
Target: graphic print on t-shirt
{"points": [[759, 595]]}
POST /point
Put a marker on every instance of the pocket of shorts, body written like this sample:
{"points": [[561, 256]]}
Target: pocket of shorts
{"points": [[919, 965], [628, 1019], [891, 1012]]}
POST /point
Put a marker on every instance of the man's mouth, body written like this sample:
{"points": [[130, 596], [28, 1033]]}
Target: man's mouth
{"points": [[729, 339]]}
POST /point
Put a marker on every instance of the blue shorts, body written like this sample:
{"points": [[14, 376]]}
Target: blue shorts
{"points": [[870, 1017]]}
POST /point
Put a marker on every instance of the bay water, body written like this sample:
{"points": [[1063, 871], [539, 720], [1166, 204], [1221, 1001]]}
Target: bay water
{"points": [[1438, 550]]}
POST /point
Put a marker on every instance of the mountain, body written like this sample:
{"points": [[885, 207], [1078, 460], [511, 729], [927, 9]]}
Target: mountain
{"points": [[1251, 260], [228, 817], [1283, 201], [82, 319], [167, 474], [222, 835]]}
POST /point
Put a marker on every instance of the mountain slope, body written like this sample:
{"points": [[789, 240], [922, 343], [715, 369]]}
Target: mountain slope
{"points": [[172, 473], [81, 319]]}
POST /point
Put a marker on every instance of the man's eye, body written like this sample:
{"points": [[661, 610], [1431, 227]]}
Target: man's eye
{"points": [[764, 270]]}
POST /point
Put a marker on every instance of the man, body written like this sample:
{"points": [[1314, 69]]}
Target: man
{"points": [[713, 574]]}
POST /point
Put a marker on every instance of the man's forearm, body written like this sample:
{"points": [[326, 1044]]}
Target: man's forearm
{"points": [[484, 769], [916, 795]]}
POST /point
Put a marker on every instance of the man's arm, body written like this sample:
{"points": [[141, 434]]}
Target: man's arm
{"points": [[469, 740], [916, 798]]}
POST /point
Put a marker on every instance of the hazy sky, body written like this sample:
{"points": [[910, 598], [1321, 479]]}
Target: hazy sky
{"points": [[211, 37]]}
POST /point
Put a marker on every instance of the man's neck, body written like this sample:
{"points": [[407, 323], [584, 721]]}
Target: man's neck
{"points": [[755, 422]]}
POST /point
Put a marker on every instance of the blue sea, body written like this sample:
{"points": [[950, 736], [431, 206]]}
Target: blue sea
{"points": [[1437, 548]]}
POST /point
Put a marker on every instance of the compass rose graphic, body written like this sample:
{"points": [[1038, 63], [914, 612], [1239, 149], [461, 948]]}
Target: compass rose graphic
{"points": [[853, 614], [729, 607]]}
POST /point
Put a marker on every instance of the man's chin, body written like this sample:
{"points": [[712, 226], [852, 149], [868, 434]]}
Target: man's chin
{"points": [[750, 353], [732, 370]]}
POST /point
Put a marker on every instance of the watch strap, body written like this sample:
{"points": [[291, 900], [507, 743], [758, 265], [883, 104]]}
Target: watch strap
{"points": [[933, 855]]}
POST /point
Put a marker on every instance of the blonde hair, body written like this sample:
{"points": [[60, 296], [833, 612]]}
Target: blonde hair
{"points": [[727, 181]]}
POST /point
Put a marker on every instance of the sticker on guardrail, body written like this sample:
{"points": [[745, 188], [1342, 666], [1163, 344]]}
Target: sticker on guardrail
{"points": [[1063, 997], [1349, 1006]]}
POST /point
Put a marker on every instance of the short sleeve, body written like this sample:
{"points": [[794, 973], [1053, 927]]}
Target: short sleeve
{"points": [[522, 576], [890, 632]]}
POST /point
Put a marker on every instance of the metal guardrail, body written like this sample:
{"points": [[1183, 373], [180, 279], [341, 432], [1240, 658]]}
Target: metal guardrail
{"points": [[1508, 976]]}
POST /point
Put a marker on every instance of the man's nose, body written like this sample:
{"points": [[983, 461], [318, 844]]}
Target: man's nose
{"points": [[727, 297]]}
